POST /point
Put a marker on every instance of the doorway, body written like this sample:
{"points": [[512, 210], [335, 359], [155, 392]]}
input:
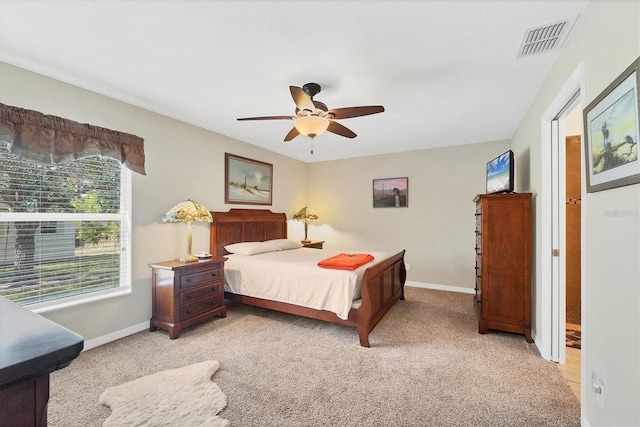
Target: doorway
{"points": [[573, 222]]}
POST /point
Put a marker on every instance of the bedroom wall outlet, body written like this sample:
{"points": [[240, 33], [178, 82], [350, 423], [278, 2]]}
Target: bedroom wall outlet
{"points": [[407, 266], [598, 388]]}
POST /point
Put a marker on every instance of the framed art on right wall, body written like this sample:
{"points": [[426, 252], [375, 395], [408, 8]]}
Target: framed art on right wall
{"points": [[611, 130]]}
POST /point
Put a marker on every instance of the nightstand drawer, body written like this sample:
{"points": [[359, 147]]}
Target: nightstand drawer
{"points": [[200, 307], [199, 278], [195, 294]]}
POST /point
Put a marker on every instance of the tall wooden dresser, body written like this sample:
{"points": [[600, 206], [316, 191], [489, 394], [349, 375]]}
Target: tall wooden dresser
{"points": [[503, 263]]}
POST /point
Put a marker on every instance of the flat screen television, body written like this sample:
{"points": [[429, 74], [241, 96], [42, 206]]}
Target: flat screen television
{"points": [[500, 174]]}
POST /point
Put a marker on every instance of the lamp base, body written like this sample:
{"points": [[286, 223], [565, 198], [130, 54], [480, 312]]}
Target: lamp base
{"points": [[304, 242], [187, 259]]}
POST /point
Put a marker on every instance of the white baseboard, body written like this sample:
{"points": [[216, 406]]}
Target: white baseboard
{"points": [[96, 342], [440, 287]]}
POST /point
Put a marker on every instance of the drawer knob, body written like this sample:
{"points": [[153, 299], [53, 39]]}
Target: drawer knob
{"points": [[188, 280], [188, 296], [214, 289], [189, 311]]}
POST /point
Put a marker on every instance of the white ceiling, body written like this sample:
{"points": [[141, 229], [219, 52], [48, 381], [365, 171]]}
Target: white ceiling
{"points": [[445, 71]]}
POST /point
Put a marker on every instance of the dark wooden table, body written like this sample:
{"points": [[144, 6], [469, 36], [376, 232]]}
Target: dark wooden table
{"points": [[31, 347]]}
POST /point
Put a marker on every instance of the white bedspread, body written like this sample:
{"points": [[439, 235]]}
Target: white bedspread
{"points": [[293, 276]]}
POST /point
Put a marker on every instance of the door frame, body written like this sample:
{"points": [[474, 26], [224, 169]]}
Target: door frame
{"points": [[552, 192]]}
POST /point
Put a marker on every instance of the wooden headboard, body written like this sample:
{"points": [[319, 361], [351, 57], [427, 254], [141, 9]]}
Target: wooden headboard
{"points": [[245, 225]]}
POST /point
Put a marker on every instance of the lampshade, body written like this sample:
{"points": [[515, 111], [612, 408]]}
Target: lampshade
{"points": [[188, 211], [306, 214], [311, 126]]}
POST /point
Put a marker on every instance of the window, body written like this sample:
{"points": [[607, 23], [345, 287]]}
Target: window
{"points": [[65, 229]]}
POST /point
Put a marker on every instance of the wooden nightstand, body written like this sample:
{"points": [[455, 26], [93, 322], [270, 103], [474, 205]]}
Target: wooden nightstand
{"points": [[186, 294], [314, 244]]}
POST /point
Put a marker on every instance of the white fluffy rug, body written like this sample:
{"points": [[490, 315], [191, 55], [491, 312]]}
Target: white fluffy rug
{"points": [[178, 397]]}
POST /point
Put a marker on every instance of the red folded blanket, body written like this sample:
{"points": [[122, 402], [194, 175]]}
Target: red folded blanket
{"points": [[346, 261]]}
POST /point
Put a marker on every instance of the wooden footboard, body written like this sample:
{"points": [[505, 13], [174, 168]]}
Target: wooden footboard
{"points": [[382, 286]]}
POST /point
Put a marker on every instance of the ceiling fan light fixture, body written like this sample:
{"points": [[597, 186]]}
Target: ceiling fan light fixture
{"points": [[311, 126]]}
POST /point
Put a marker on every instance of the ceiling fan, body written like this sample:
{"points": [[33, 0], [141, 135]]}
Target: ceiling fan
{"points": [[313, 118]]}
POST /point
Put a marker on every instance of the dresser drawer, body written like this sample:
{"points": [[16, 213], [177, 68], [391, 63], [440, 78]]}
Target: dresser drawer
{"points": [[199, 278], [195, 294], [203, 306]]}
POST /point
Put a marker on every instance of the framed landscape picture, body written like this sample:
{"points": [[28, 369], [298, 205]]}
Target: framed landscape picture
{"points": [[391, 193], [247, 181], [611, 129]]}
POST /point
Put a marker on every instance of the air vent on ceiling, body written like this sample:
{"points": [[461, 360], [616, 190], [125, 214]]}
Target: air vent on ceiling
{"points": [[545, 38]]}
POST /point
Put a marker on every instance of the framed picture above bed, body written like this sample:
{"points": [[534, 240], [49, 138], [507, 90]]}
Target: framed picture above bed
{"points": [[612, 130], [247, 181], [391, 193]]}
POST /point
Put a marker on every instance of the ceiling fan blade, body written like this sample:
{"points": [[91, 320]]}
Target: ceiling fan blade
{"points": [[292, 134], [345, 113], [338, 129], [268, 118], [302, 100]]}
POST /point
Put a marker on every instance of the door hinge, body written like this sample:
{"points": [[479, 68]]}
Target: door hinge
{"points": [[556, 252]]}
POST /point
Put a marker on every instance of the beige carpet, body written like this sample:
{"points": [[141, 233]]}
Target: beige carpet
{"points": [[427, 366], [183, 397]]}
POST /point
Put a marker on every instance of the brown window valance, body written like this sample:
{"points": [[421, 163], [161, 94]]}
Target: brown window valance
{"points": [[51, 139]]}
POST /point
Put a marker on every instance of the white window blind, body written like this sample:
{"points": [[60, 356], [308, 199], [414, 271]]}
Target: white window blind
{"points": [[64, 229]]}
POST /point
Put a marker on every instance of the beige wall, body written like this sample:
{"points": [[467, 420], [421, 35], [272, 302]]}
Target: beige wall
{"points": [[606, 40], [182, 161], [436, 229]]}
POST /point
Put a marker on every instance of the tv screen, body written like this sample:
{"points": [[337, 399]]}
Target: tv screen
{"points": [[500, 174]]}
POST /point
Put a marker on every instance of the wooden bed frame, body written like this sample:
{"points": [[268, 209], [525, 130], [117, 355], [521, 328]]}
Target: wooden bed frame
{"points": [[382, 284]]}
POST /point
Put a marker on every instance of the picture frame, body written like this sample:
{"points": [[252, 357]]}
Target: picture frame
{"points": [[611, 132], [391, 192], [247, 181]]}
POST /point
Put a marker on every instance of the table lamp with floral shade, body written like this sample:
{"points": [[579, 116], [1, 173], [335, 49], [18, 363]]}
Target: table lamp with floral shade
{"points": [[188, 211], [306, 214]]}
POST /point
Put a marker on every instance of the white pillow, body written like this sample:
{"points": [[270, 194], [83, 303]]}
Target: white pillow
{"points": [[285, 244], [251, 248]]}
